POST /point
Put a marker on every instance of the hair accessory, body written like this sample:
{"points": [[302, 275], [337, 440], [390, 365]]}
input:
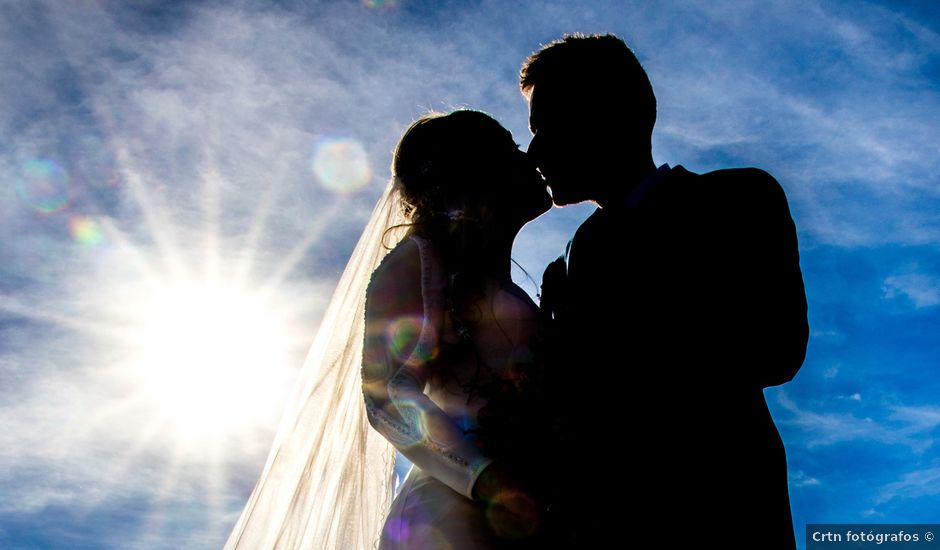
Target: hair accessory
{"points": [[459, 215]]}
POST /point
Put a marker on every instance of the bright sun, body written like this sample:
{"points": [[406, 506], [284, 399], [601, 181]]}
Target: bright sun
{"points": [[210, 358]]}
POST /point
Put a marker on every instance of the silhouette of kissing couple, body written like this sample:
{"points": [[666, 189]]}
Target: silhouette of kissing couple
{"points": [[626, 408]]}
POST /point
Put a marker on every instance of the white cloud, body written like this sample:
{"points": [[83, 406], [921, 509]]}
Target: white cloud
{"points": [[800, 479], [921, 418], [853, 397], [921, 289]]}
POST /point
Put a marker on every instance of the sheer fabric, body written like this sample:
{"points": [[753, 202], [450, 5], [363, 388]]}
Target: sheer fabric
{"points": [[327, 481]]}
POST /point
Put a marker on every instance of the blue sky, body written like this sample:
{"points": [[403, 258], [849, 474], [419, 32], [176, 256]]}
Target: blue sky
{"points": [[158, 156]]}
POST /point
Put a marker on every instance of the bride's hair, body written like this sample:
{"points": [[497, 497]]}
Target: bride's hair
{"points": [[440, 167]]}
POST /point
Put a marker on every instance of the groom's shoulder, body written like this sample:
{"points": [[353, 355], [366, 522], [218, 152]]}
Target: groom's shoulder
{"points": [[750, 176], [739, 185]]}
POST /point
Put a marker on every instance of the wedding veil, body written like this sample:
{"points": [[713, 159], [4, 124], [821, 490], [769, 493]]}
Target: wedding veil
{"points": [[327, 481]]}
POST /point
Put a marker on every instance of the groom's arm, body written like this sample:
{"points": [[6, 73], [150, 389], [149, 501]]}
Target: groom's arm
{"points": [[766, 296]]}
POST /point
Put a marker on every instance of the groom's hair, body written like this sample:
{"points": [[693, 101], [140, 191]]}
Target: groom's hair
{"points": [[594, 68]]}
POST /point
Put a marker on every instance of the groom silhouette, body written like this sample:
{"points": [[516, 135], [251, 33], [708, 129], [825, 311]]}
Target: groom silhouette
{"points": [[679, 301]]}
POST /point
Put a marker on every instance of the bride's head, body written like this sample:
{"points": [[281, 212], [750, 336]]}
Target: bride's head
{"points": [[464, 168]]}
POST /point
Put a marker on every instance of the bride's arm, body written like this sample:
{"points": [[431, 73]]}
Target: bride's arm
{"points": [[403, 321]]}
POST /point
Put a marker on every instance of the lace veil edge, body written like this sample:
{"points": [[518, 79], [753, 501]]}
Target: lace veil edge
{"points": [[327, 481]]}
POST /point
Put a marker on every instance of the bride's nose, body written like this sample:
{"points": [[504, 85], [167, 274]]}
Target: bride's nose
{"points": [[533, 152]]}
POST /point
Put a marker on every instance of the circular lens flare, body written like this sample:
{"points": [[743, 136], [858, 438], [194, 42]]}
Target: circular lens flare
{"points": [[380, 5], [44, 186], [341, 165], [402, 335]]}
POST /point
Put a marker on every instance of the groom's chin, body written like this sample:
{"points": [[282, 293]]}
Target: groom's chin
{"points": [[564, 199]]}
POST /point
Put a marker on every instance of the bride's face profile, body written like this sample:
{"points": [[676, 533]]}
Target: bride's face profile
{"points": [[523, 195], [466, 162]]}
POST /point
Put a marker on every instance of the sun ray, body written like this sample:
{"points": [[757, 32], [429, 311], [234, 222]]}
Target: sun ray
{"points": [[120, 469], [121, 242], [10, 305], [297, 254], [150, 533], [154, 219], [215, 483], [259, 218], [210, 193], [117, 409]]}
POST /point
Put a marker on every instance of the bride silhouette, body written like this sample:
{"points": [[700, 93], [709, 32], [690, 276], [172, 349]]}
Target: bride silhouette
{"points": [[427, 347]]}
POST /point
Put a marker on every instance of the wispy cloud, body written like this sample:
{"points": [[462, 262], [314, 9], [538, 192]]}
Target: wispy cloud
{"points": [[853, 397], [817, 113], [919, 483], [801, 479], [896, 425], [922, 289]]}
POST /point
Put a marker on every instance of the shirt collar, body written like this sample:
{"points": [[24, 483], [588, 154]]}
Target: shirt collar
{"points": [[637, 193]]}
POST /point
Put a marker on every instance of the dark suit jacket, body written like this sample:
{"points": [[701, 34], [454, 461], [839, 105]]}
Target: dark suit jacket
{"points": [[678, 313]]}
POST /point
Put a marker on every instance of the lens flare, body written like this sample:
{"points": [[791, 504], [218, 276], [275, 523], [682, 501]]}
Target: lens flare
{"points": [[403, 340], [85, 231], [397, 529], [44, 186], [402, 334], [341, 165], [415, 417], [380, 5]]}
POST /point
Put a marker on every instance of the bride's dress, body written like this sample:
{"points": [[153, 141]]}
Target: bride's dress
{"points": [[426, 399]]}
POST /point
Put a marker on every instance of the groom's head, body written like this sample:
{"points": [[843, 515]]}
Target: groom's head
{"points": [[591, 112]]}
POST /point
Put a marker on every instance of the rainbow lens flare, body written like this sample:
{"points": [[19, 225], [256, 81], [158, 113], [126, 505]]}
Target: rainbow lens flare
{"points": [[85, 231], [44, 186], [402, 335], [380, 5], [415, 417], [341, 165]]}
